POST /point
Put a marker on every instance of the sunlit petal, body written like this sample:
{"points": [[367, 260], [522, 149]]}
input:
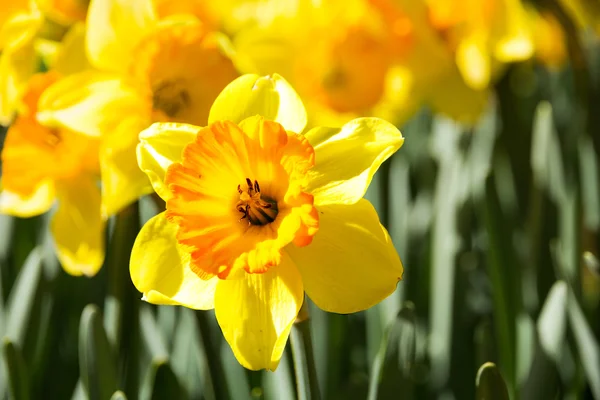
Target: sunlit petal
{"points": [[351, 264]]}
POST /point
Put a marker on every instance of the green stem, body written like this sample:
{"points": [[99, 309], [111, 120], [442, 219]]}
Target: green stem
{"points": [[123, 300], [304, 360], [213, 358]]}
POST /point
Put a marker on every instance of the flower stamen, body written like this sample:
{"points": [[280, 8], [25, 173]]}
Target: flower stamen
{"points": [[171, 97], [256, 209]]}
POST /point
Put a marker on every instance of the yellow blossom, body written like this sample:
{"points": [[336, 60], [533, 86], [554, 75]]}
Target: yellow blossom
{"points": [[339, 55], [41, 165], [549, 38], [31, 37], [258, 214], [483, 35], [145, 69]]}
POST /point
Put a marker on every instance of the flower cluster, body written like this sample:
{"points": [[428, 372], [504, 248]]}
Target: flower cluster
{"points": [[108, 100]]}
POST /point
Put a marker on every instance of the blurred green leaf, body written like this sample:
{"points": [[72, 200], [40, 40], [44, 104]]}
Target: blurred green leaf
{"points": [[307, 385], [504, 275], [551, 324], [121, 306], [393, 367], [17, 373], [118, 395], [526, 341], [152, 335], [96, 361], [187, 358], [6, 230], [215, 371], [79, 392], [162, 383], [587, 344], [238, 384], [22, 299], [445, 242], [591, 262], [588, 165], [546, 158], [490, 384], [279, 385], [550, 351]]}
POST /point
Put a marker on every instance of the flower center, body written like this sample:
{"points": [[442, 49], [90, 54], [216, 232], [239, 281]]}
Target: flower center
{"points": [[228, 232], [171, 97], [181, 68], [34, 153], [257, 210]]}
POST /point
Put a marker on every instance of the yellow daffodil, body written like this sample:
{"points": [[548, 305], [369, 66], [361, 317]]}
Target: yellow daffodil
{"points": [[41, 165], [258, 214], [548, 37], [19, 24], [339, 55], [483, 35], [435, 79], [64, 12], [145, 69], [30, 38]]}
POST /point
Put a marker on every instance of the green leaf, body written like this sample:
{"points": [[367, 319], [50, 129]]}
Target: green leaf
{"points": [[6, 233], [392, 369], [16, 371], [152, 335], [504, 274], [589, 351], [21, 302], [490, 384], [279, 385], [165, 384], [551, 325], [79, 392], [303, 356], [588, 165], [121, 307], [118, 395], [96, 361]]}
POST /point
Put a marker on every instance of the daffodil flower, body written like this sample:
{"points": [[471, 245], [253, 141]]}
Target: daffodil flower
{"points": [[30, 37], [483, 35], [41, 165], [144, 69], [258, 214], [339, 55], [19, 23]]}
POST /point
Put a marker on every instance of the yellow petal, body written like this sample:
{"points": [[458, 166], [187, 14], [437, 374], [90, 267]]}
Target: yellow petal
{"points": [[348, 157], [37, 203], [123, 181], [160, 268], [269, 96], [114, 28], [454, 98], [17, 66], [257, 313], [20, 27], [91, 103], [473, 61], [78, 228], [515, 42], [160, 146], [71, 57], [351, 263]]}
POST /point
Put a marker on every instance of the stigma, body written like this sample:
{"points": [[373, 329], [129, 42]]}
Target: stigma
{"points": [[257, 209]]}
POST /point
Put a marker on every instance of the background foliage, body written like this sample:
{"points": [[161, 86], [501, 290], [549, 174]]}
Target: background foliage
{"points": [[497, 226]]}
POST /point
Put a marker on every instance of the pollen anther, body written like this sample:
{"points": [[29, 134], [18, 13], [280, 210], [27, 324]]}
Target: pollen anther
{"points": [[256, 209]]}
